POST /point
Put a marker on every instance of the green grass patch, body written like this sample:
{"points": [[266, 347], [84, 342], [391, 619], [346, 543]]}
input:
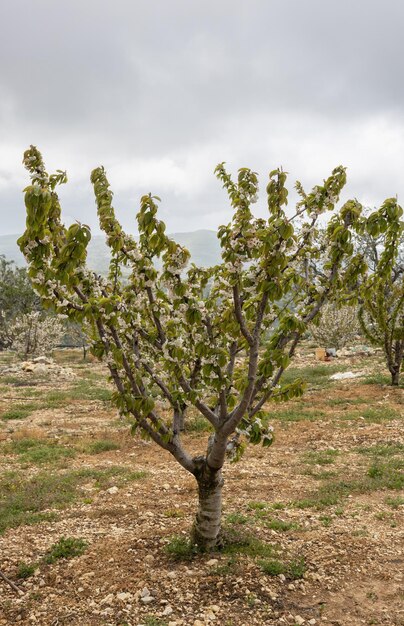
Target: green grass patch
{"points": [[245, 544], [25, 501], [278, 506], [87, 390], [280, 525], [237, 518], [102, 445], [379, 414], [297, 414], [379, 476], [346, 401], [390, 448], [19, 412], [381, 379], [257, 506], [314, 376], [181, 548], [26, 570], [321, 457], [198, 424], [38, 451], [65, 548], [292, 570], [394, 501]]}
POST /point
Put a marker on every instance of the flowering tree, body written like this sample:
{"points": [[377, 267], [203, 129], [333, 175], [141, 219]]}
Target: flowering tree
{"points": [[16, 297], [174, 338], [337, 326], [381, 313], [34, 334]]}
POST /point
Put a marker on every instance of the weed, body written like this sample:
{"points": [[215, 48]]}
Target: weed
{"points": [[181, 548], [65, 548], [25, 570], [236, 518], [278, 506], [293, 570], [297, 414], [376, 415], [38, 451], [395, 502], [321, 475], [257, 506], [225, 568], [321, 457], [198, 424], [390, 448], [102, 445], [86, 390], [379, 379], [242, 543], [18, 412], [24, 501], [151, 620], [325, 520], [280, 525], [317, 375]]}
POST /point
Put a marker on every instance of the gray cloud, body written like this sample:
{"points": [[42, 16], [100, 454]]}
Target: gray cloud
{"points": [[159, 92]]}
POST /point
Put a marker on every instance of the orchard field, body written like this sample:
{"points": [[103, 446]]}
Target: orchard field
{"points": [[94, 522]]}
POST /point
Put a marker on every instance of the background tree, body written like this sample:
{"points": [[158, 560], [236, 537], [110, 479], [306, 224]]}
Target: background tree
{"points": [[174, 338], [17, 297], [381, 313], [35, 334], [337, 326], [74, 336]]}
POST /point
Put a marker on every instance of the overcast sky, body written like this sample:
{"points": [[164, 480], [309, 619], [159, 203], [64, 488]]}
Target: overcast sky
{"points": [[161, 91]]}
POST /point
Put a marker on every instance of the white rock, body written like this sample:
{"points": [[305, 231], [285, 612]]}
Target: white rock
{"points": [[346, 375], [212, 562], [168, 610], [113, 490], [147, 599], [145, 592], [124, 596], [299, 620], [108, 599]]}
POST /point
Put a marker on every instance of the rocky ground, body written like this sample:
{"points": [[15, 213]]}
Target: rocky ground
{"points": [[313, 526]]}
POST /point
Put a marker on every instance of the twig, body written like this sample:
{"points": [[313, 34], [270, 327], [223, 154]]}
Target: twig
{"points": [[10, 582]]}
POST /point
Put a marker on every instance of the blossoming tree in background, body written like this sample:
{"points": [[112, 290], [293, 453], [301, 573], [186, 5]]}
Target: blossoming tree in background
{"points": [[187, 336], [381, 313], [337, 326], [34, 334]]}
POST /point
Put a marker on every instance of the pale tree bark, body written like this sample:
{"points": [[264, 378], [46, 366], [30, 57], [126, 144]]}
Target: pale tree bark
{"points": [[207, 524]]}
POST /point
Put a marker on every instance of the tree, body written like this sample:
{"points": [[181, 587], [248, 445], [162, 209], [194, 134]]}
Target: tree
{"points": [[17, 297], [381, 313], [174, 338], [76, 337], [35, 334], [337, 326]]}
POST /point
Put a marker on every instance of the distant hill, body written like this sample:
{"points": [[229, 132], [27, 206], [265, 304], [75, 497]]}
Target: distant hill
{"points": [[202, 244]]}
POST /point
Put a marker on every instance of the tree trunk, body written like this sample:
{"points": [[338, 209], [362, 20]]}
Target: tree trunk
{"points": [[206, 529], [395, 376]]}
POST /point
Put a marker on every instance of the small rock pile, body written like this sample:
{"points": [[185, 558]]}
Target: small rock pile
{"points": [[42, 365]]}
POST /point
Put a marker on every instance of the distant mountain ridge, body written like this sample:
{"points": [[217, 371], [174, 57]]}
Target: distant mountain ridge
{"points": [[202, 244]]}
